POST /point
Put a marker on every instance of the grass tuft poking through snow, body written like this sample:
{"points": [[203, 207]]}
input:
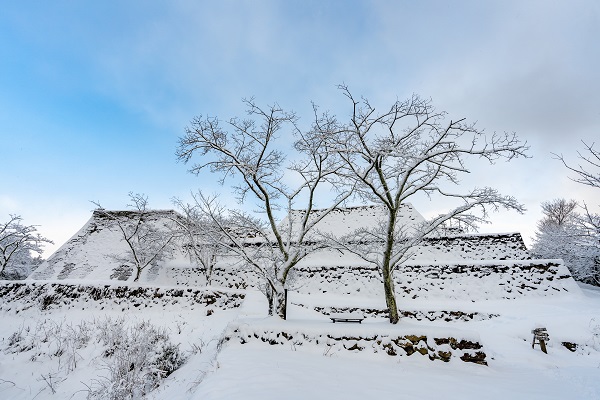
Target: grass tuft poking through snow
{"points": [[133, 361]]}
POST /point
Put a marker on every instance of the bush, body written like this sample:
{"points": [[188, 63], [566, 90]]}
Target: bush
{"points": [[137, 357], [140, 356]]}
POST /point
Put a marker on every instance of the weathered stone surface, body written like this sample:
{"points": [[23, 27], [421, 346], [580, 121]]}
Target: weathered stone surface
{"points": [[477, 358], [571, 346], [401, 346], [52, 295]]}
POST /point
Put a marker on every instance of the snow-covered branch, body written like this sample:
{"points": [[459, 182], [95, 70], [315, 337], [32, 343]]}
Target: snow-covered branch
{"points": [[17, 243], [588, 170]]}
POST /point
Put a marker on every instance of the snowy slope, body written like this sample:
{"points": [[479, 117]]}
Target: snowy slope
{"points": [[93, 252]]}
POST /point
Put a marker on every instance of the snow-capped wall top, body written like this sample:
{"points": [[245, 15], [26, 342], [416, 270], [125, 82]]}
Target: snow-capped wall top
{"points": [[487, 246], [100, 216]]}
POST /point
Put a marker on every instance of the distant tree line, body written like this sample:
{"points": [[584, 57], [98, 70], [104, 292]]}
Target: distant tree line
{"points": [[571, 231]]}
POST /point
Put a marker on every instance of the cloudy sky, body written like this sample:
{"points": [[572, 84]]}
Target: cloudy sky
{"points": [[94, 94]]}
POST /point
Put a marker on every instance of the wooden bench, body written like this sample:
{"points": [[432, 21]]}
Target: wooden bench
{"points": [[346, 318]]}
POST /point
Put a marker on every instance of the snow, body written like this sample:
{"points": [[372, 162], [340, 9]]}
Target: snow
{"points": [[250, 375], [479, 290], [260, 371], [342, 221], [257, 370], [95, 252]]}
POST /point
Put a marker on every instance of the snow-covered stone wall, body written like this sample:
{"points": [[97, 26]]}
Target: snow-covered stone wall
{"points": [[487, 280], [18, 296], [497, 246], [402, 342]]}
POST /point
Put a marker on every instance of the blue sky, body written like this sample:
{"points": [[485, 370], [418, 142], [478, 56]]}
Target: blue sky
{"points": [[93, 95]]}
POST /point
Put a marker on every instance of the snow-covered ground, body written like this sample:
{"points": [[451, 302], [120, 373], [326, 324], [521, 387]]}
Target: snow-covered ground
{"points": [[217, 369]]}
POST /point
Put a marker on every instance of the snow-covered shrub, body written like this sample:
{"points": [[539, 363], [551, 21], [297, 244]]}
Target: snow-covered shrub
{"points": [[46, 301], [19, 341], [138, 358], [53, 340]]}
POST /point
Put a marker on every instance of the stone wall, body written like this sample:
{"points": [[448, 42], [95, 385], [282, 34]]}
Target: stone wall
{"points": [[17, 296], [506, 279], [395, 345]]}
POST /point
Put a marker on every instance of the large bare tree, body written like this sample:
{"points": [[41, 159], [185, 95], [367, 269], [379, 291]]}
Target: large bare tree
{"points": [[407, 149], [252, 152], [17, 242], [587, 173]]}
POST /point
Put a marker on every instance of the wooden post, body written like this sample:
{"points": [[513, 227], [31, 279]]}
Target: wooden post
{"points": [[543, 346], [541, 336]]}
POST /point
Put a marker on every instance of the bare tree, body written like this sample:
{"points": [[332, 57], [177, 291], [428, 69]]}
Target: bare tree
{"points": [[148, 241], [570, 238], [408, 149], [557, 213], [203, 239], [17, 242], [249, 150], [243, 238], [587, 173], [588, 170], [582, 248]]}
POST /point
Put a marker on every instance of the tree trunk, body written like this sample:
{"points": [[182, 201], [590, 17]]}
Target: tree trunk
{"points": [[390, 295], [269, 294], [209, 274], [138, 272], [387, 270], [280, 306]]}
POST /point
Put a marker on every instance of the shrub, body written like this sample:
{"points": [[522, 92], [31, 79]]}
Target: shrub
{"points": [[139, 357]]}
